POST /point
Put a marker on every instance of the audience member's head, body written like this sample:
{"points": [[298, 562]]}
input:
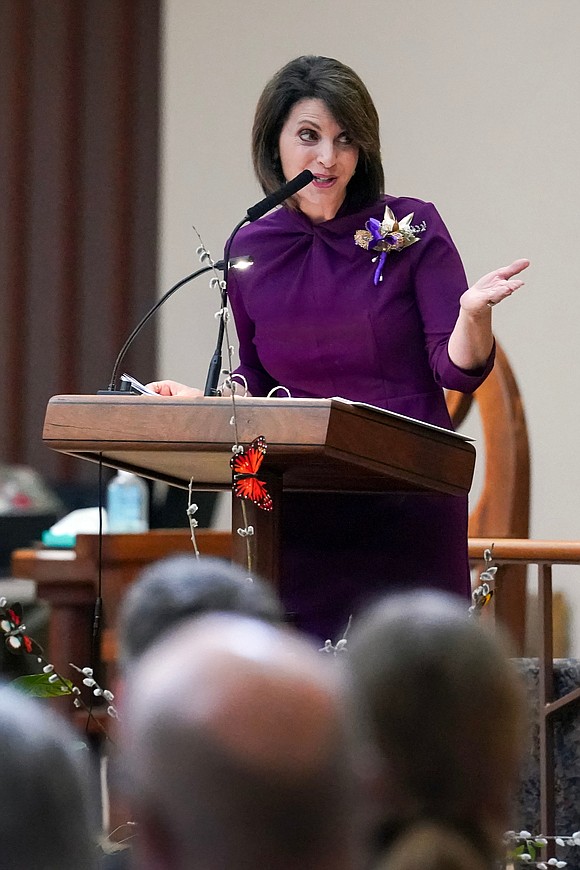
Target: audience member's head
{"points": [[431, 846], [44, 809], [181, 586], [240, 750], [169, 592], [446, 709]]}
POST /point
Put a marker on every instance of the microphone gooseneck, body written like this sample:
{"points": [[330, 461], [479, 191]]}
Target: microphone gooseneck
{"points": [[150, 313], [254, 212]]}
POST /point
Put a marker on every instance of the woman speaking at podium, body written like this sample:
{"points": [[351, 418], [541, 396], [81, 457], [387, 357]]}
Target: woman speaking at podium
{"points": [[362, 295]]}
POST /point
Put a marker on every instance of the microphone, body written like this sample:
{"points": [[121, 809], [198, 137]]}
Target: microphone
{"points": [[273, 199], [254, 212]]}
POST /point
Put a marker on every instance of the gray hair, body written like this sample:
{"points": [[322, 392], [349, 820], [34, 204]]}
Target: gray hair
{"points": [[44, 802]]}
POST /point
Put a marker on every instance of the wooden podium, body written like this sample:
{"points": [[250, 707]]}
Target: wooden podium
{"points": [[314, 445]]}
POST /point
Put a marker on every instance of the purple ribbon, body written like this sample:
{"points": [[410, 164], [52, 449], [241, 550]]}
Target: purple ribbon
{"points": [[374, 228]]}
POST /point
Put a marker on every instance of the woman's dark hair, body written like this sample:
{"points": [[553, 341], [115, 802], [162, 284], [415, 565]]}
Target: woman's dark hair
{"points": [[347, 98]]}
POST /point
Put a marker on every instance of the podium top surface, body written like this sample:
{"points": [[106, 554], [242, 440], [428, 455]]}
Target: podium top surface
{"points": [[313, 444]]}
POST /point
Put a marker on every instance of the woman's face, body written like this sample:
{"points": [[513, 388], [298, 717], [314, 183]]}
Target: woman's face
{"points": [[312, 139]]}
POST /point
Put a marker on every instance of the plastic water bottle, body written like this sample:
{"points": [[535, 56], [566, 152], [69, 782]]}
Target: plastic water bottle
{"points": [[127, 503]]}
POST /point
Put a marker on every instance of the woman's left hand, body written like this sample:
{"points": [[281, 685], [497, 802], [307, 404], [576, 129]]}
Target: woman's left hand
{"points": [[493, 287]]}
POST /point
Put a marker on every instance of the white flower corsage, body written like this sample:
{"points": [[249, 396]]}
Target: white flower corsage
{"points": [[384, 236]]}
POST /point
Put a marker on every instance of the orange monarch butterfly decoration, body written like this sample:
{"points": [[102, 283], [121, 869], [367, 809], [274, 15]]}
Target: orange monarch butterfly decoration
{"points": [[245, 467]]}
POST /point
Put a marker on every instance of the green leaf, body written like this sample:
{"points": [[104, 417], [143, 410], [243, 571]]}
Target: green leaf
{"points": [[38, 686]]}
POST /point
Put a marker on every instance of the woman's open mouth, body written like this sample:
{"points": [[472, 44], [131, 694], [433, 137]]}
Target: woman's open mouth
{"points": [[324, 180]]}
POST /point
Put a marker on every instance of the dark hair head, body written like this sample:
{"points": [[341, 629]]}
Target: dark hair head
{"points": [[348, 100], [180, 586], [433, 680]]}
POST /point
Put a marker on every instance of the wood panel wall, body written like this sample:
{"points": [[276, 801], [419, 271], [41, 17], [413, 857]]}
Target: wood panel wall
{"points": [[79, 124]]}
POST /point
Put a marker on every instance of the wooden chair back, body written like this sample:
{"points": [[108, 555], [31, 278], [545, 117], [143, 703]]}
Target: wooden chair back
{"points": [[503, 507]]}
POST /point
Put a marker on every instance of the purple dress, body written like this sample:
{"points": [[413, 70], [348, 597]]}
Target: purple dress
{"points": [[310, 318]]}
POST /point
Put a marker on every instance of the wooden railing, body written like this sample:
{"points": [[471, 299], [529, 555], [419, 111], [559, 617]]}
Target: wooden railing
{"points": [[543, 554]]}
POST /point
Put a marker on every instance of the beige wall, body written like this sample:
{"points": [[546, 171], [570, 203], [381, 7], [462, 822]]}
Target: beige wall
{"points": [[480, 113]]}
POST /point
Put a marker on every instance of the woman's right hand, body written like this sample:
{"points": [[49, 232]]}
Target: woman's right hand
{"points": [[174, 388]]}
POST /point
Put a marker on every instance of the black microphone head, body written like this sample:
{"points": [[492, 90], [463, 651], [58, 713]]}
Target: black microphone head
{"points": [[273, 199], [301, 180]]}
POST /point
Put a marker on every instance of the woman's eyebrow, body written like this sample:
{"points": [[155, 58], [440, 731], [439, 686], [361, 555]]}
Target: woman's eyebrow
{"points": [[307, 120]]}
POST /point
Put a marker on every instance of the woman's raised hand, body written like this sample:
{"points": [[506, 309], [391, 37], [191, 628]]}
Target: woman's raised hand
{"points": [[174, 388], [493, 288]]}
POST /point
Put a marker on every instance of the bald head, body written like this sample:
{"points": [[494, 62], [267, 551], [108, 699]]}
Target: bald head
{"points": [[239, 745]]}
